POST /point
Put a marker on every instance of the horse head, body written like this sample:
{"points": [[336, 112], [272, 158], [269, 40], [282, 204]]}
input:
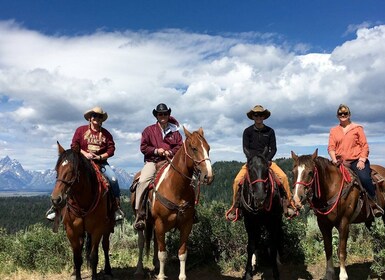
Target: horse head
{"points": [[304, 174], [197, 149], [259, 181], [66, 174]]}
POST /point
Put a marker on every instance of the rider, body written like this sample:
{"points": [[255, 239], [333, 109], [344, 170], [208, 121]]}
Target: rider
{"points": [[159, 141], [256, 138], [96, 143], [348, 144]]}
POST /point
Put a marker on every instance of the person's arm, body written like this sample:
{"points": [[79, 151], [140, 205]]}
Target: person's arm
{"points": [[332, 147], [272, 146]]}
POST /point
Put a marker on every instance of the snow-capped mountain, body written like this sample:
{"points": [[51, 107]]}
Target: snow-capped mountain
{"points": [[13, 177]]}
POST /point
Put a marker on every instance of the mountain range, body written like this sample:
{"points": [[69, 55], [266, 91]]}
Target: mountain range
{"points": [[13, 177]]}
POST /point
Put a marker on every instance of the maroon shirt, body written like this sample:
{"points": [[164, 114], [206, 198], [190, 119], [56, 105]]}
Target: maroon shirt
{"points": [[95, 142], [152, 139]]}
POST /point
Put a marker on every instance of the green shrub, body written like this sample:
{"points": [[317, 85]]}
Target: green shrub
{"points": [[38, 248]]}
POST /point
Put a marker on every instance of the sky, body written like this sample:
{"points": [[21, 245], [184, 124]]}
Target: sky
{"points": [[209, 61]]}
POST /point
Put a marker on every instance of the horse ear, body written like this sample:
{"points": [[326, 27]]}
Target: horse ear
{"points": [[60, 148], [186, 132], [265, 152], [200, 131], [294, 156], [315, 154]]}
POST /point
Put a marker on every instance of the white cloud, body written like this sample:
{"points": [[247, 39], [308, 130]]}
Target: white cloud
{"points": [[47, 82]]}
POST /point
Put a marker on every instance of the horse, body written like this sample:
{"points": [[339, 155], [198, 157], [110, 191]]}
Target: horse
{"points": [[336, 199], [171, 201], [260, 201], [85, 209]]}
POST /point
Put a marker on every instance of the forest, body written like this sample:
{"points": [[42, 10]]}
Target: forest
{"points": [[27, 242]]}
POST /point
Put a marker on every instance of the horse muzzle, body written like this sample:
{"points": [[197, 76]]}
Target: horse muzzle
{"points": [[58, 201]]}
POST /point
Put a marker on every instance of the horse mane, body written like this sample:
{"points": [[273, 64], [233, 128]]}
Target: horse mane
{"points": [[77, 160], [323, 164]]}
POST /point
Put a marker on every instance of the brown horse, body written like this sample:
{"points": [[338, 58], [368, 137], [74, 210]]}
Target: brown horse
{"points": [[172, 200], [85, 208], [336, 200]]}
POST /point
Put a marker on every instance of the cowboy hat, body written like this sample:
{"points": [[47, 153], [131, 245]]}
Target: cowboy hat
{"points": [[95, 110], [161, 108], [258, 109]]}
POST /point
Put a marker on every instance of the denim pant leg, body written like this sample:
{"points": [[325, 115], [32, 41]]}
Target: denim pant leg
{"points": [[365, 177], [110, 174]]}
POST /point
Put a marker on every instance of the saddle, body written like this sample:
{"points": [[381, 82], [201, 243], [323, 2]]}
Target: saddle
{"points": [[377, 180]]}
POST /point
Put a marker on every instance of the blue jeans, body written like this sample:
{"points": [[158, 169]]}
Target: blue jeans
{"points": [[107, 171], [365, 177]]}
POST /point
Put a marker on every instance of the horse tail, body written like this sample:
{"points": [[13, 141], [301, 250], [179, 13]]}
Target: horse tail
{"points": [[88, 248], [148, 233]]}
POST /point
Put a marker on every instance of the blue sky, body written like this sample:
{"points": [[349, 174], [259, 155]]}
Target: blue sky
{"points": [[210, 61]]}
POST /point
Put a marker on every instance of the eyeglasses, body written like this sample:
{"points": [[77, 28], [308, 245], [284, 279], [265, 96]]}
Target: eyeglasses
{"points": [[162, 114], [96, 116], [343, 114]]}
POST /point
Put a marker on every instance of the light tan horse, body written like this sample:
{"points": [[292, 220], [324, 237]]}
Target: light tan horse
{"points": [[335, 199], [173, 198]]}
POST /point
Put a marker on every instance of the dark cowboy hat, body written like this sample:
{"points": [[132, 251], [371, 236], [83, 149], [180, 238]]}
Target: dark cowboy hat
{"points": [[161, 108], [95, 110], [258, 109]]}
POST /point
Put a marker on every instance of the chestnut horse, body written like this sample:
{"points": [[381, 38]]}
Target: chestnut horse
{"points": [[172, 200], [335, 199], [85, 208], [260, 202]]}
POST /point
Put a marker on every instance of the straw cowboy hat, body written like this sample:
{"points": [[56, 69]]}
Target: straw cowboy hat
{"points": [[95, 110], [258, 109], [161, 108]]}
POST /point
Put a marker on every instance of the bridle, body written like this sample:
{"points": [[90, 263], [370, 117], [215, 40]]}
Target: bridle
{"points": [[270, 179]]}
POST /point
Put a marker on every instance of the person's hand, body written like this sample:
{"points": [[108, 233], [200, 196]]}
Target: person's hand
{"points": [[360, 165], [161, 152]]}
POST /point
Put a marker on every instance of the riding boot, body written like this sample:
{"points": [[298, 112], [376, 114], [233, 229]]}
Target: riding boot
{"points": [[377, 210], [119, 215], [139, 223]]}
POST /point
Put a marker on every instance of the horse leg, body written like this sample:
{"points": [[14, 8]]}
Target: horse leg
{"points": [[275, 232], [253, 234], [94, 255], [106, 249], [326, 231], [162, 253], [76, 241], [139, 266], [182, 252], [343, 238]]}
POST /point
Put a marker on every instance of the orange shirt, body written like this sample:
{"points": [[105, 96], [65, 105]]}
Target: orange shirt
{"points": [[349, 145]]}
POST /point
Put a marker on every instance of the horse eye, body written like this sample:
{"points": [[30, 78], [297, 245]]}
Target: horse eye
{"points": [[311, 173]]}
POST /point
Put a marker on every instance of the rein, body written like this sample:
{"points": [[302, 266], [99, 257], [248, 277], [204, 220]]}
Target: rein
{"points": [[264, 181], [76, 209], [316, 183]]}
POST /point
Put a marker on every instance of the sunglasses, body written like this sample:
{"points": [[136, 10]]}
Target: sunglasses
{"points": [[96, 116], [258, 115], [162, 114], [343, 114]]}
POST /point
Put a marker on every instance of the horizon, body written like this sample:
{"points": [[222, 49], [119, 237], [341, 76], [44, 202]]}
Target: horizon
{"points": [[210, 61]]}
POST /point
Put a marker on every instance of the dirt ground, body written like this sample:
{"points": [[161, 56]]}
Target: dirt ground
{"points": [[359, 271]]}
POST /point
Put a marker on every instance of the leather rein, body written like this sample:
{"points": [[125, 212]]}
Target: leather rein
{"points": [[74, 205], [314, 184], [194, 182], [270, 179]]}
